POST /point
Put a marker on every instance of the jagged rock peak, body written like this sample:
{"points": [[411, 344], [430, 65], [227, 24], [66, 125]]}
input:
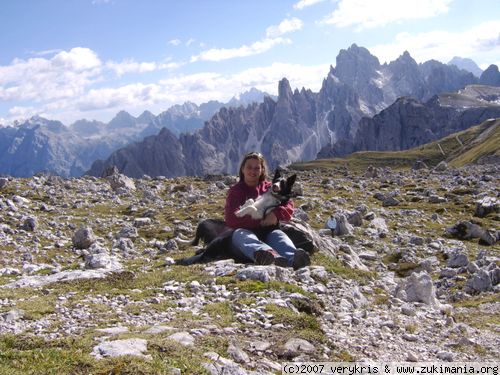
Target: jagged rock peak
{"points": [[37, 121], [284, 89], [356, 66], [123, 115], [145, 117], [491, 76], [406, 57], [355, 54], [122, 119], [406, 67]]}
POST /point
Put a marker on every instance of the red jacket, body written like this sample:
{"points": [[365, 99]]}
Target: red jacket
{"points": [[239, 193]]}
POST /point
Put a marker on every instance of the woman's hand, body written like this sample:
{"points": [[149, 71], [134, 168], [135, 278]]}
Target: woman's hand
{"points": [[269, 219]]}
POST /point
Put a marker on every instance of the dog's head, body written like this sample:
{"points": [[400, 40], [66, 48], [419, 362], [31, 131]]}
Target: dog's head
{"points": [[282, 187]]}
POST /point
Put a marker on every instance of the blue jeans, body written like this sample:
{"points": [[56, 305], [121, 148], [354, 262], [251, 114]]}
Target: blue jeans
{"points": [[247, 243]]}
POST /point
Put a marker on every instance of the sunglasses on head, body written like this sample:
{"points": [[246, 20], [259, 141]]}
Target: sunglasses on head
{"points": [[256, 154]]}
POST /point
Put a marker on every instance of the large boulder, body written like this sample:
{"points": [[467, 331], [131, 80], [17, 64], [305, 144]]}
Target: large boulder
{"points": [[418, 287], [83, 238]]}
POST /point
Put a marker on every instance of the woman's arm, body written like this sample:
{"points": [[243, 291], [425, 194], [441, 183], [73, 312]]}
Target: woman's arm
{"points": [[284, 212], [280, 213], [235, 198]]}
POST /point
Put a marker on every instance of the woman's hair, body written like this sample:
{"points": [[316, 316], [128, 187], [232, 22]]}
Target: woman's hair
{"points": [[260, 158]]}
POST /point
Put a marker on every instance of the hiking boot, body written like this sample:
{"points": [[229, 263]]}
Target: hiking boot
{"points": [[301, 259], [264, 257]]}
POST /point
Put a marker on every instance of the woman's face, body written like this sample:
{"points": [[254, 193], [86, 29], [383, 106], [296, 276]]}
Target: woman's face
{"points": [[252, 170]]}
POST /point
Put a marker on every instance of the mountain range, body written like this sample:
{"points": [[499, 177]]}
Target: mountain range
{"points": [[362, 104], [41, 145]]}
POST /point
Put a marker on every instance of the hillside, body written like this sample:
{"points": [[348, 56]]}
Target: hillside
{"points": [[474, 145], [88, 273]]}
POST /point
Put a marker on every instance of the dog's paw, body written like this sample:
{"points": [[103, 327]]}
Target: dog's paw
{"points": [[255, 214], [242, 212], [249, 202]]}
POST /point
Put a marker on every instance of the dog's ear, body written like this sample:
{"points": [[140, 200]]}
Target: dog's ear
{"points": [[277, 175], [287, 189]]}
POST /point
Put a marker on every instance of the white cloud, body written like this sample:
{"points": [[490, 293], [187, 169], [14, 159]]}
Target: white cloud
{"points": [[174, 42], [286, 26], [65, 75], [306, 3], [481, 43], [219, 54], [18, 112], [76, 59], [46, 52], [273, 38], [131, 66], [121, 97], [366, 14], [203, 87], [103, 103], [190, 41]]}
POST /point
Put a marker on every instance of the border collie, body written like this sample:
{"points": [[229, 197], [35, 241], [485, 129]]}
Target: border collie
{"points": [[279, 193]]}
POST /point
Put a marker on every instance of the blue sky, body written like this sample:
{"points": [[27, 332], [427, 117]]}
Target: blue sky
{"points": [[73, 59]]}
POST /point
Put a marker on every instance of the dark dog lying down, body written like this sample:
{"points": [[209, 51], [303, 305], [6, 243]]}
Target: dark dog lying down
{"points": [[217, 238]]}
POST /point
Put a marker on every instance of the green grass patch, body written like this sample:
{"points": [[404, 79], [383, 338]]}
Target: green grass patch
{"points": [[220, 312], [302, 325], [35, 308], [334, 265], [476, 301], [256, 286], [380, 297], [174, 355]]}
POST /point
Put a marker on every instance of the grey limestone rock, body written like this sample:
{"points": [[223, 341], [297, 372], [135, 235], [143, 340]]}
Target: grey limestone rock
{"points": [[117, 348], [83, 238], [183, 338], [418, 287]]}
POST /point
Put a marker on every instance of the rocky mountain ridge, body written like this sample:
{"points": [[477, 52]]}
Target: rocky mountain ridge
{"points": [[299, 125], [408, 122], [41, 145]]}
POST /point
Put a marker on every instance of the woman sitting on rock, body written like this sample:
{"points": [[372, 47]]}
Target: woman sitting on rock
{"points": [[260, 240]]}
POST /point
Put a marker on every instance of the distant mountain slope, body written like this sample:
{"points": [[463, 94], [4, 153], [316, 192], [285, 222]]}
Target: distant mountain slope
{"points": [[41, 145], [475, 145], [466, 64], [139, 158]]}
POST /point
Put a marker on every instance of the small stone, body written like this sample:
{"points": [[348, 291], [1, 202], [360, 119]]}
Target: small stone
{"points": [[299, 346], [183, 338], [411, 357], [445, 356], [237, 354]]}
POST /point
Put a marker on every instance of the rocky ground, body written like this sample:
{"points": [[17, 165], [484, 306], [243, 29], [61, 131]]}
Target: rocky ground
{"points": [[88, 281]]}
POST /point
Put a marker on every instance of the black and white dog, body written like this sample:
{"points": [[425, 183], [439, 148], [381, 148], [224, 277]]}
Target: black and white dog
{"points": [[278, 194], [217, 236]]}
